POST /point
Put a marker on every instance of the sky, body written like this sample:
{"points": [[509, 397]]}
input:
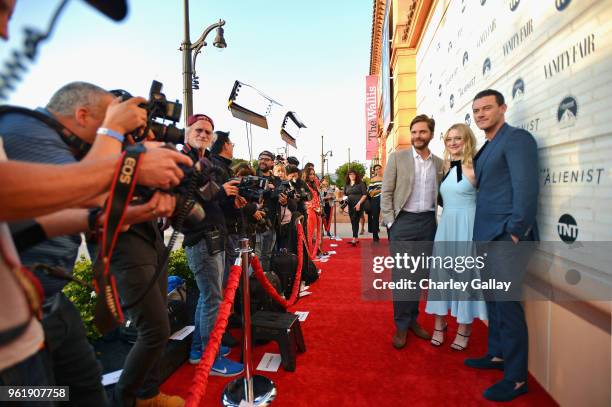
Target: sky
{"points": [[311, 56]]}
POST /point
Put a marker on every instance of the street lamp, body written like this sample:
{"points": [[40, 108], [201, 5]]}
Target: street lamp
{"points": [[190, 80]]}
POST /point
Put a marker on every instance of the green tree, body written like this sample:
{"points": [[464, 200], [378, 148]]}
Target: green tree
{"points": [[343, 169]]}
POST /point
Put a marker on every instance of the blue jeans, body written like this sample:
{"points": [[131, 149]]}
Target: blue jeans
{"points": [[264, 244], [208, 273]]}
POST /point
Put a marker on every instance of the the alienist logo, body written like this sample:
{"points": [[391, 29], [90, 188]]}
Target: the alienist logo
{"points": [[486, 67], [567, 228], [567, 112], [562, 4], [518, 37], [554, 176], [514, 4], [570, 56], [465, 58], [452, 101], [518, 90], [468, 119], [530, 125]]}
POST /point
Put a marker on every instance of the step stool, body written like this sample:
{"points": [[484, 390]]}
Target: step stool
{"points": [[283, 328]]}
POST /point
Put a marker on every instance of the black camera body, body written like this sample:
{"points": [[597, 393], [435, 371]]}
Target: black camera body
{"points": [[158, 108], [344, 203], [289, 189], [252, 187]]}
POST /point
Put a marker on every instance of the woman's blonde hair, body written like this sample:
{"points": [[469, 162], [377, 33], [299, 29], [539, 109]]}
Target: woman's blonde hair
{"points": [[279, 167], [469, 143]]}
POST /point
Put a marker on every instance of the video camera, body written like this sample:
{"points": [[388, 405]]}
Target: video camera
{"points": [[158, 107], [252, 187]]}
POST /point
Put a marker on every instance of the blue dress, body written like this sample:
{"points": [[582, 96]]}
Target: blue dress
{"points": [[454, 239]]}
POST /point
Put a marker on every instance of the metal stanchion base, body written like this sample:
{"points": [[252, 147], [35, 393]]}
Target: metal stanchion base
{"points": [[264, 391]]}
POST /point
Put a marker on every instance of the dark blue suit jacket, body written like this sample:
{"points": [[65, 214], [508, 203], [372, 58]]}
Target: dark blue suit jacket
{"points": [[507, 175]]}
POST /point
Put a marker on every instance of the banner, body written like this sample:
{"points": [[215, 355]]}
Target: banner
{"points": [[371, 113]]}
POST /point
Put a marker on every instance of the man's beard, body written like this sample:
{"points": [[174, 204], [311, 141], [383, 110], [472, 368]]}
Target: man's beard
{"points": [[264, 168], [198, 145]]}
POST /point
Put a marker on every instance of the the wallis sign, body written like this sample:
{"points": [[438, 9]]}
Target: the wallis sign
{"points": [[371, 114]]}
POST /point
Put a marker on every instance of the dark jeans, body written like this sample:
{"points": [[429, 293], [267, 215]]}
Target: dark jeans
{"points": [[135, 262], [419, 228], [29, 372], [355, 218], [327, 210], [72, 359], [374, 216]]}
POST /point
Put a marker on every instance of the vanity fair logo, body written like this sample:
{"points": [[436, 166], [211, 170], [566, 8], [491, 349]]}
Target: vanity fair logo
{"points": [[514, 4], [567, 112], [486, 68], [562, 4], [570, 56], [518, 90], [518, 37], [567, 228], [484, 36]]}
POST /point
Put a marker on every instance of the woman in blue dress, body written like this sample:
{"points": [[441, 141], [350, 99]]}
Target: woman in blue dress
{"points": [[454, 239]]}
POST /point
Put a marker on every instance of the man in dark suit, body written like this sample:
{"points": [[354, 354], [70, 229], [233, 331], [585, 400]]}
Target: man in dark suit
{"points": [[408, 204], [507, 174]]}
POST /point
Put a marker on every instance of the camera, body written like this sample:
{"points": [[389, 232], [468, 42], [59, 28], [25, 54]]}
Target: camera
{"points": [[158, 108], [252, 187], [288, 188]]}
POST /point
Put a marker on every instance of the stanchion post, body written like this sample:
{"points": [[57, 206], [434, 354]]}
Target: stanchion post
{"points": [[255, 390]]}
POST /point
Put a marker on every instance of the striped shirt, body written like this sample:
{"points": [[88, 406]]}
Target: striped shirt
{"points": [[374, 188]]}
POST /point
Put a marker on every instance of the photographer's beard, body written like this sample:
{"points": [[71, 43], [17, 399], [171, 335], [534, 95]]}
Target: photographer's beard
{"points": [[264, 168]]}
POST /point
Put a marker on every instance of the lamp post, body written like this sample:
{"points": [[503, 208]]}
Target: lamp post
{"points": [[323, 158], [190, 80]]}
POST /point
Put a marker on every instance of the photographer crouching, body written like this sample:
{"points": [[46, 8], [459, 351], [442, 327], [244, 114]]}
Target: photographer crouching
{"points": [[205, 248]]}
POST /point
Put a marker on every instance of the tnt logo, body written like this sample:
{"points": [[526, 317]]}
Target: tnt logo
{"points": [[567, 228], [562, 4], [514, 4]]}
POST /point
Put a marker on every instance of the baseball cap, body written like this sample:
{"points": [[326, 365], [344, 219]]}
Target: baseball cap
{"points": [[197, 117]]}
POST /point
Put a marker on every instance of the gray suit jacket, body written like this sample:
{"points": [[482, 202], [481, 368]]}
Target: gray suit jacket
{"points": [[397, 182]]}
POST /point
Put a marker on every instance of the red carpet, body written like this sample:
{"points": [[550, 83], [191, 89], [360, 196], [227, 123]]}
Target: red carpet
{"points": [[350, 361]]}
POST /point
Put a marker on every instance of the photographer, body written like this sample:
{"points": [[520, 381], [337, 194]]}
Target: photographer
{"points": [[68, 126], [265, 237], [222, 152], [205, 249]]}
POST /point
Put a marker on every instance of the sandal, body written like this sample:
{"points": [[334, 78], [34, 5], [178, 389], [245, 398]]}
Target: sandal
{"points": [[456, 346], [435, 342]]}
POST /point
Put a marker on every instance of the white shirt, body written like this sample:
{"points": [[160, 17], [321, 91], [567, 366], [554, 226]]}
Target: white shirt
{"points": [[423, 195]]}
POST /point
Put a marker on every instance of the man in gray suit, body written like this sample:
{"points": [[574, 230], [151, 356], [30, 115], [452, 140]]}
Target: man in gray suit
{"points": [[408, 204]]}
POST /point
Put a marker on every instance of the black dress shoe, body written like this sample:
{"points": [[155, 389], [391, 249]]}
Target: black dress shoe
{"points": [[504, 391], [484, 363]]}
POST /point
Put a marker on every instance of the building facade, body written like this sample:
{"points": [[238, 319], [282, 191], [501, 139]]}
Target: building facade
{"points": [[552, 60]]}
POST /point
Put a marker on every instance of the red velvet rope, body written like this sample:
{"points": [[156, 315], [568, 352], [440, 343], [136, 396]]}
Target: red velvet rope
{"points": [[200, 380], [265, 283]]}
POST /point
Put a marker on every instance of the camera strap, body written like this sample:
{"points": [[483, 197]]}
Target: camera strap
{"points": [[108, 313]]}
